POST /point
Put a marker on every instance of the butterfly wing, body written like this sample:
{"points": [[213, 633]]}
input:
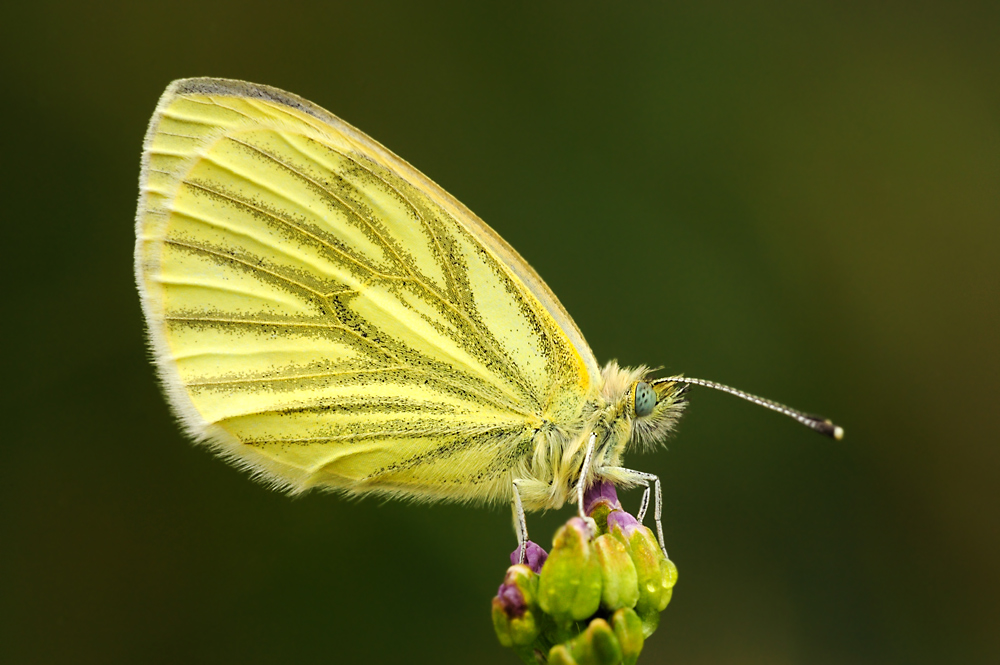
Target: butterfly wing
{"points": [[323, 314]]}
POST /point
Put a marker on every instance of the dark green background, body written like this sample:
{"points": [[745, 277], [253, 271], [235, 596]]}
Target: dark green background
{"points": [[801, 199]]}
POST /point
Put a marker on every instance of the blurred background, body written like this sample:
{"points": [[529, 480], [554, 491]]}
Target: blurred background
{"points": [[800, 199]]}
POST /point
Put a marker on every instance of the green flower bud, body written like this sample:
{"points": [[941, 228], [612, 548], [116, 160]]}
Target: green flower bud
{"points": [[629, 631], [656, 573], [514, 607], [597, 645], [560, 655], [619, 583], [569, 586]]}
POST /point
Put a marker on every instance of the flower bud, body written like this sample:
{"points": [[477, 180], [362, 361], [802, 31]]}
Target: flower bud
{"points": [[619, 583], [629, 631], [534, 556], [514, 607], [597, 645], [598, 502], [569, 587], [655, 573], [601, 492], [560, 655]]}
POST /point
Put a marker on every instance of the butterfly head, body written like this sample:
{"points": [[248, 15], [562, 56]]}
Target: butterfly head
{"points": [[656, 406], [640, 410]]}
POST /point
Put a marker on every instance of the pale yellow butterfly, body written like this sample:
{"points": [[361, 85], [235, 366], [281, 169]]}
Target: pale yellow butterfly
{"points": [[324, 315]]}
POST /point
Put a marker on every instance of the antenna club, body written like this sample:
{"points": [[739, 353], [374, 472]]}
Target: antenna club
{"points": [[824, 426]]}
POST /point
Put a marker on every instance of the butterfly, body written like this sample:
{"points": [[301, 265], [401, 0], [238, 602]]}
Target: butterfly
{"points": [[323, 315]]}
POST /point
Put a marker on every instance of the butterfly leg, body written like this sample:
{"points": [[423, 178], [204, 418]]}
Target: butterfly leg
{"points": [[584, 470], [520, 524], [641, 478], [644, 505]]}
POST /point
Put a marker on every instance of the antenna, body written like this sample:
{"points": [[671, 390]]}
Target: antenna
{"points": [[818, 423]]}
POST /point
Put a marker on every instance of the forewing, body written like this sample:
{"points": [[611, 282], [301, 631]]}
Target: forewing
{"points": [[323, 314]]}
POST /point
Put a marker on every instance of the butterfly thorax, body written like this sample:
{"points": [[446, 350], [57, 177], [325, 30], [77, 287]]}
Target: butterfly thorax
{"points": [[559, 452]]}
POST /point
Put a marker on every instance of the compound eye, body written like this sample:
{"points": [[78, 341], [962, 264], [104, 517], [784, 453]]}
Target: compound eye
{"points": [[645, 399]]}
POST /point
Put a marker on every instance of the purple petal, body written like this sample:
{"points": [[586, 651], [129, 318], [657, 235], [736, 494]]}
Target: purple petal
{"points": [[581, 526], [622, 520], [512, 600], [598, 492], [534, 556]]}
